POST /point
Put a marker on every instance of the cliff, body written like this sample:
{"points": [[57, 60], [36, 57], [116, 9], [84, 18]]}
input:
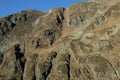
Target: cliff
{"points": [[81, 42]]}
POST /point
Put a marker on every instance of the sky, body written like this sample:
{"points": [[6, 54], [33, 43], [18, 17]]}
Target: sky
{"points": [[8, 7]]}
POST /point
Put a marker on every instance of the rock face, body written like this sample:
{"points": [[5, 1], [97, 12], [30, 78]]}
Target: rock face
{"points": [[81, 42]]}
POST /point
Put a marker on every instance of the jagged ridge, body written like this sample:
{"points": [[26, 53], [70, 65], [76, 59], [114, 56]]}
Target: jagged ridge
{"points": [[81, 42]]}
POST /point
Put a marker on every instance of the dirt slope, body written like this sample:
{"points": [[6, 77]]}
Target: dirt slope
{"points": [[81, 42]]}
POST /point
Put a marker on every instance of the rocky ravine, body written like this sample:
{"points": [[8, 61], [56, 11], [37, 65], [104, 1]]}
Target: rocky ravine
{"points": [[81, 42]]}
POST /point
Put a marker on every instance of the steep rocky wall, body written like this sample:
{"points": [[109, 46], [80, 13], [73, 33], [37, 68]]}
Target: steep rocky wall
{"points": [[81, 42]]}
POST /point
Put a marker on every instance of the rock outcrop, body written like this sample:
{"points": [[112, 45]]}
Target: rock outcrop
{"points": [[81, 42]]}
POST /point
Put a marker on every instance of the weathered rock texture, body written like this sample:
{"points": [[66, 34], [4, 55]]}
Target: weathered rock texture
{"points": [[81, 42]]}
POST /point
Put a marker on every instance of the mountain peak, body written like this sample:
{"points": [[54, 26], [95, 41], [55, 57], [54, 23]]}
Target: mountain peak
{"points": [[81, 42]]}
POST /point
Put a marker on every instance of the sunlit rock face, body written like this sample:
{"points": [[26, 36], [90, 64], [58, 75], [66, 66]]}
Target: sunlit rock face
{"points": [[100, 0], [81, 42], [104, 1]]}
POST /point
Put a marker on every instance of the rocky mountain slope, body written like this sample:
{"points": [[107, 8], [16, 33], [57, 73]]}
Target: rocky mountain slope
{"points": [[81, 42]]}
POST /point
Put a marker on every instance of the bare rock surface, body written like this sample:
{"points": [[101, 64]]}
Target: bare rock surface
{"points": [[81, 42]]}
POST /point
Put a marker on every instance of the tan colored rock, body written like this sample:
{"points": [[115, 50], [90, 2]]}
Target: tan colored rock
{"points": [[81, 42]]}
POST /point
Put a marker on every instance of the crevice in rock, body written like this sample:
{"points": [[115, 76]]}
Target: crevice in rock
{"points": [[1, 58], [37, 43], [34, 76], [46, 72], [45, 67], [88, 74], [117, 75], [20, 59], [20, 56], [69, 72], [64, 67]]}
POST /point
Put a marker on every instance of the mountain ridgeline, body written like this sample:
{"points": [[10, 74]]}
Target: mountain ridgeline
{"points": [[81, 42]]}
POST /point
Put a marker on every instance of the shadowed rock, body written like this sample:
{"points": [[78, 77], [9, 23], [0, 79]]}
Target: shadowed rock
{"points": [[81, 42]]}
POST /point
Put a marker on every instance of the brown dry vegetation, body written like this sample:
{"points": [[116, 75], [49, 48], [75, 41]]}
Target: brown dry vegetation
{"points": [[81, 42]]}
